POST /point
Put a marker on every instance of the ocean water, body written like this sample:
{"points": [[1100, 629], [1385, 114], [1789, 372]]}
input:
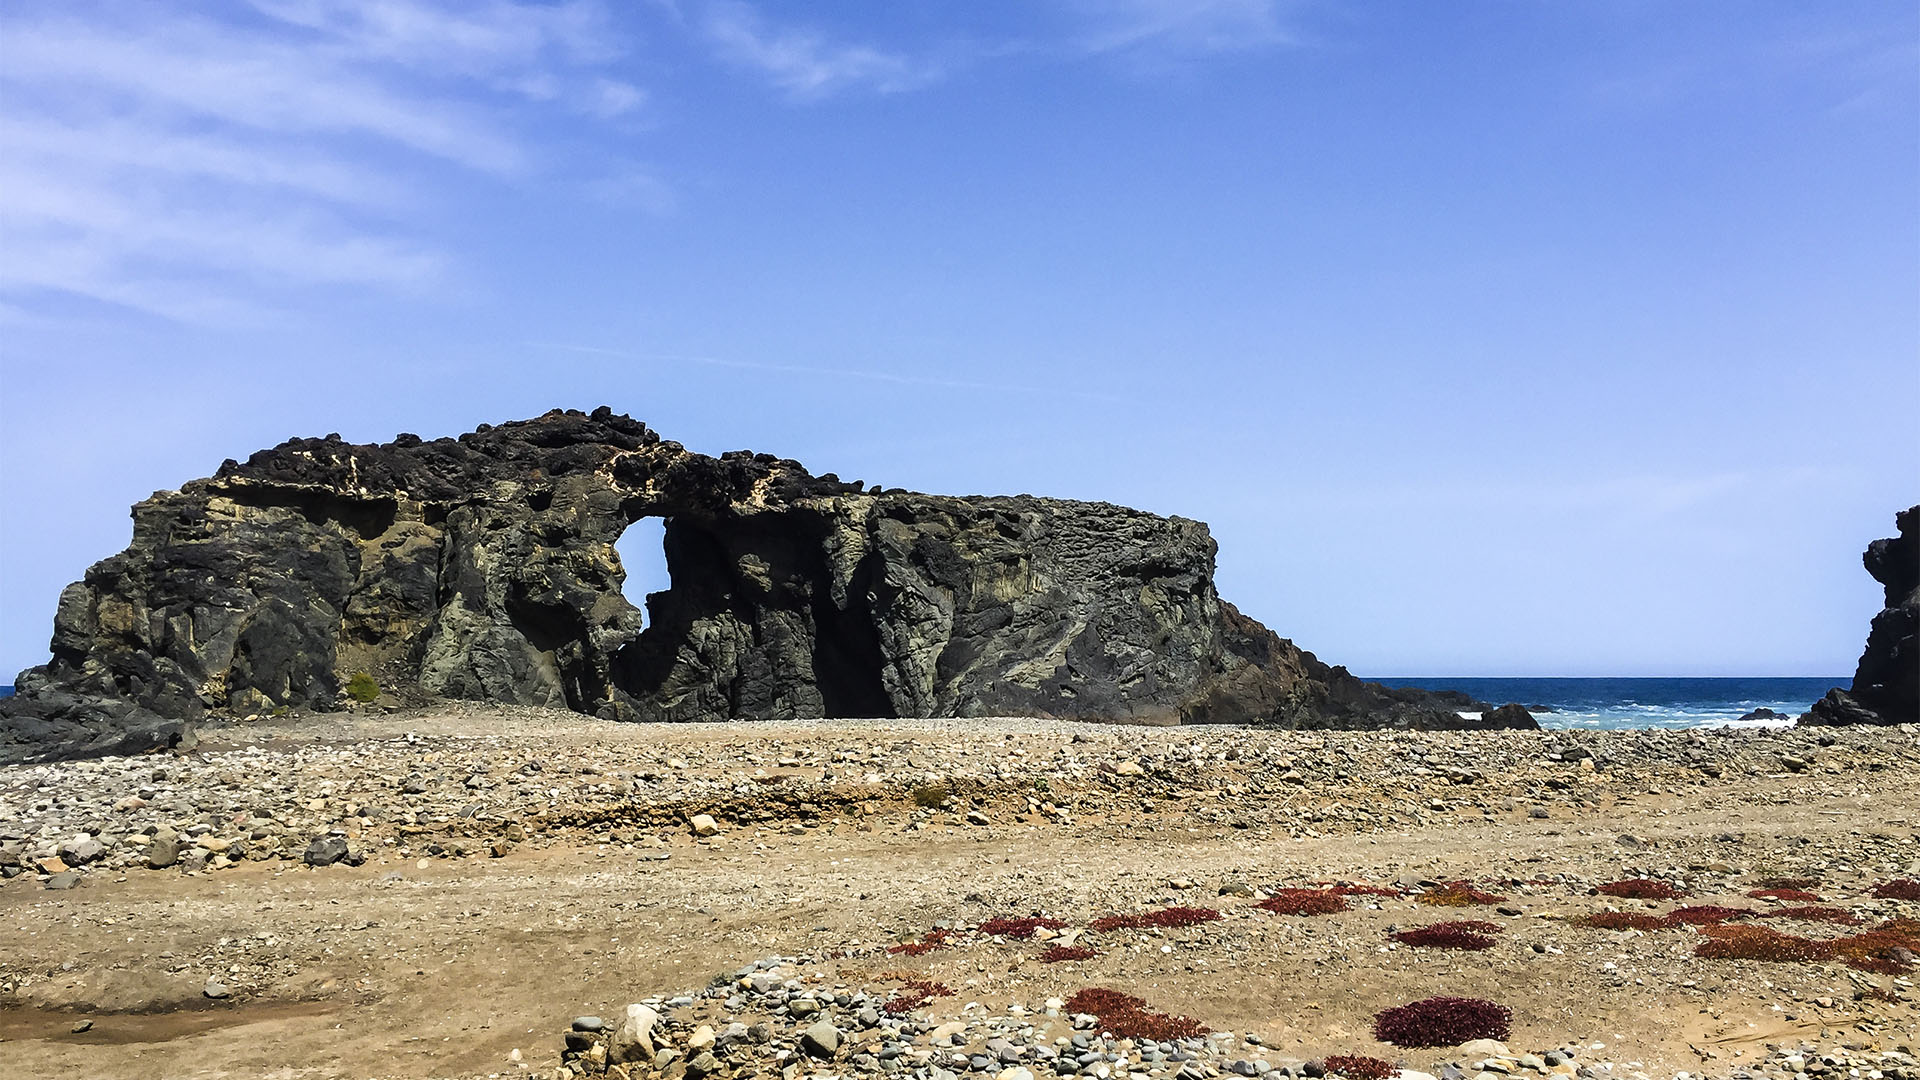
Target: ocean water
{"points": [[1641, 702], [1628, 702]]}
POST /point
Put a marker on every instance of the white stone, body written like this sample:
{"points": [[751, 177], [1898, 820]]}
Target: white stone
{"points": [[946, 1031], [633, 1039]]}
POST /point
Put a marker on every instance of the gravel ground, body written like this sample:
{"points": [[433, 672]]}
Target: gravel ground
{"points": [[441, 893]]}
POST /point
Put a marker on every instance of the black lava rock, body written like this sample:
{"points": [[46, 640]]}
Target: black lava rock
{"points": [[484, 567], [326, 850], [1886, 684]]}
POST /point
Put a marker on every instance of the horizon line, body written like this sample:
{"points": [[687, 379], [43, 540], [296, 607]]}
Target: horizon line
{"points": [[1842, 678]]}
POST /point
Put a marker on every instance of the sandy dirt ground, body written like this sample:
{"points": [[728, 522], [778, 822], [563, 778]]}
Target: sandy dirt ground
{"points": [[415, 965]]}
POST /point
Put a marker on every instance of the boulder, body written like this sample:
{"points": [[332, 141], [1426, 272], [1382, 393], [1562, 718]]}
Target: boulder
{"points": [[1508, 716], [54, 717]]}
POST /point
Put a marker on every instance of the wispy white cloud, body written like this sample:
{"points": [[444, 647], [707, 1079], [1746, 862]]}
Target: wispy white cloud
{"points": [[1183, 26], [608, 98], [544, 52], [807, 64], [810, 64], [186, 166], [633, 187], [194, 161], [478, 38], [115, 144], [1867, 64], [1624, 497], [812, 371], [192, 69], [300, 245]]}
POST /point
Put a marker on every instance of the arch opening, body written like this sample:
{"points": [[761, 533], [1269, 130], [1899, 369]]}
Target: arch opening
{"points": [[643, 555]]}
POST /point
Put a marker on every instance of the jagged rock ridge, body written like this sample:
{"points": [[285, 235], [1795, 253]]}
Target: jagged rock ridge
{"points": [[1886, 683], [484, 567]]}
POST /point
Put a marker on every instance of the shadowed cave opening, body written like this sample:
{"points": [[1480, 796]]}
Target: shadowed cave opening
{"points": [[747, 609]]}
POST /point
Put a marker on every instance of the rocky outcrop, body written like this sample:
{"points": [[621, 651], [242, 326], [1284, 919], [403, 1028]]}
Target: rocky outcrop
{"points": [[1886, 684], [484, 567], [1510, 715]]}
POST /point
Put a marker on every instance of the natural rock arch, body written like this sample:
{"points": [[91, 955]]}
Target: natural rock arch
{"points": [[485, 567]]}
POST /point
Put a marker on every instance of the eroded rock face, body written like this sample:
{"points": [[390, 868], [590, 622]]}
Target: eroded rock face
{"points": [[484, 567], [1886, 684]]}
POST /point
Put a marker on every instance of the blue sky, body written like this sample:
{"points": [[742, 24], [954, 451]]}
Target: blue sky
{"points": [[1491, 338]]}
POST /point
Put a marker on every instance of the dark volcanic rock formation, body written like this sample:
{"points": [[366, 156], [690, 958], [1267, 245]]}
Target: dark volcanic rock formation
{"points": [[484, 567], [1510, 715], [1886, 684]]}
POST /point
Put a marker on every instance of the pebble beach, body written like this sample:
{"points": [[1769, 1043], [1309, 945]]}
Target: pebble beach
{"points": [[925, 899]]}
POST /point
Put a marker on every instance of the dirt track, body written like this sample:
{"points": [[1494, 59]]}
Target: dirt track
{"points": [[413, 966]]}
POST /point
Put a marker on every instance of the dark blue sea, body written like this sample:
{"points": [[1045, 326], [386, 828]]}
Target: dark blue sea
{"points": [[1627, 702], [1641, 702]]}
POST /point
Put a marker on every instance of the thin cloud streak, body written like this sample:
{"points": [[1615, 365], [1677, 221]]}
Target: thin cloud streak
{"points": [[475, 38], [249, 80], [516, 48], [1862, 67], [89, 239], [1617, 498], [835, 373], [805, 63], [108, 145], [1183, 26]]}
